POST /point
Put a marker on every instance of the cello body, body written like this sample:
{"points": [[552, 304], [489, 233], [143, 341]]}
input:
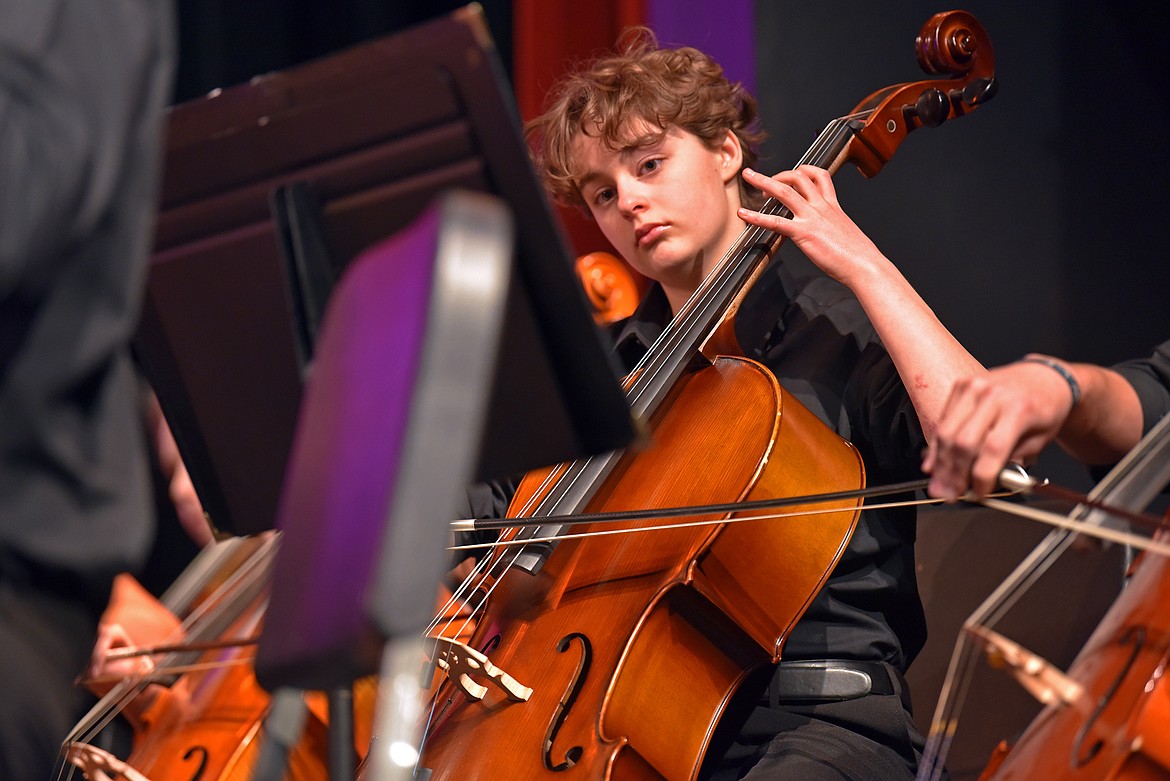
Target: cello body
{"points": [[1118, 729], [665, 622]]}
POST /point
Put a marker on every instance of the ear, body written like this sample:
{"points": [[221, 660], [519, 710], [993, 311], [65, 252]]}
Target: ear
{"points": [[730, 157]]}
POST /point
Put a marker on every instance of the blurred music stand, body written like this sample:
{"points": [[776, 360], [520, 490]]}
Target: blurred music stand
{"points": [[376, 133], [373, 134], [390, 422]]}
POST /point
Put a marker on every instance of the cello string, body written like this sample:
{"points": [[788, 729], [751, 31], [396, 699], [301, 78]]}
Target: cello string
{"points": [[472, 583], [486, 568], [424, 732], [456, 598], [449, 615]]}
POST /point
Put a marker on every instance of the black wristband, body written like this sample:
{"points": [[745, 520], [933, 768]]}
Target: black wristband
{"points": [[1073, 385]]}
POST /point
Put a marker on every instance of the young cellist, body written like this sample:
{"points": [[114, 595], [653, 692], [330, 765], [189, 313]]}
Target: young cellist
{"points": [[657, 146]]}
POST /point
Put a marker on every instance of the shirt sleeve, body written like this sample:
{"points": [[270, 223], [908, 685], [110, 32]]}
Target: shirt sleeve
{"points": [[886, 425], [484, 500], [1150, 377]]}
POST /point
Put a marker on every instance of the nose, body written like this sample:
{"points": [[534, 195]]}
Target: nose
{"points": [[631, 197]]}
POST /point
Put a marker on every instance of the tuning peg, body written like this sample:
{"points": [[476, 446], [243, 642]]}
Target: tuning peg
{"points": [[931, 108], [979, 91]]}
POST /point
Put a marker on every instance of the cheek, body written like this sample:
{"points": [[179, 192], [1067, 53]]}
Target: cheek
{"points": [[697, 192], [615, 228], [704, 208]]}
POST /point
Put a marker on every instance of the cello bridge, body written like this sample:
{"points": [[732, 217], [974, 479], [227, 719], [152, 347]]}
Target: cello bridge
{"points": [[460, 662]]}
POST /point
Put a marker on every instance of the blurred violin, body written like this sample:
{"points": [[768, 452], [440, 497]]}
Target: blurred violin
{"points": [[612, 287]]}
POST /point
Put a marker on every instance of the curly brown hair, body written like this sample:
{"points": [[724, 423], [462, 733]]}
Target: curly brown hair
{"points": [[680, 87]]}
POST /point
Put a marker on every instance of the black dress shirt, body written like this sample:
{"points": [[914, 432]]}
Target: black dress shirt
{"points": [[1150, 377]]}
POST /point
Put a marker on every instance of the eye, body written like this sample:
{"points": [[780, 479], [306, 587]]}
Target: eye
{"points": [[651, 165], [602, 195]]}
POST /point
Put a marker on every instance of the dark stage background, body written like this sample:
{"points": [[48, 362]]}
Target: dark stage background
{"points": [[1034, 224], [224, 42]]}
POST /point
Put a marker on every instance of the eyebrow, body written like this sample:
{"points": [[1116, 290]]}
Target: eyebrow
{"points": [[586, 180], [637, 145]]}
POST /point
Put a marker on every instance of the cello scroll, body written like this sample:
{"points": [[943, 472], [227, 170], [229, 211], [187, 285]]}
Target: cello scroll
{"points": [[951, 44]]}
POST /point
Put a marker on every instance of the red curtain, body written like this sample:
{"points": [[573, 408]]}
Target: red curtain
{"points": [[549, 37]]}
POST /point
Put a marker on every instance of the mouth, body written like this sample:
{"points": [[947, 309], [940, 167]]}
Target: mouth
{"points": [[647, 234]]}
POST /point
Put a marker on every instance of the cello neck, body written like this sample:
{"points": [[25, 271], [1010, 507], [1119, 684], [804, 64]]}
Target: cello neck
{"points": [[705, 323]]}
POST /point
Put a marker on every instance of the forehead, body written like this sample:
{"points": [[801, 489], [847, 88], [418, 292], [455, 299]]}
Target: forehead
{"points": [[634, 133]]}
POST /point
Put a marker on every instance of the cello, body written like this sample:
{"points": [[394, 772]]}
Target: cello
{"points": [[206, 722], [1106, 717], [600, 632]]}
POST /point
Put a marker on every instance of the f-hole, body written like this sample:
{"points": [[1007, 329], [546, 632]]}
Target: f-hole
{"points": [[573, 755], [1080, 756], [203, 756]]}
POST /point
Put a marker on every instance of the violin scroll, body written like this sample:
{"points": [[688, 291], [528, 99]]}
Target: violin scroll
{"points": [[610, 285], [952, 45]]}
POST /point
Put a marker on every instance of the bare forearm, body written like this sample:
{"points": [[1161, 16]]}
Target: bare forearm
{"points": [[1014, 411], [928, 357]]}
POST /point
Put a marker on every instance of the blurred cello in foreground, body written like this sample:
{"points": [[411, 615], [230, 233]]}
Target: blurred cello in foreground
{"points": [[205, 720], [1108, 717]]}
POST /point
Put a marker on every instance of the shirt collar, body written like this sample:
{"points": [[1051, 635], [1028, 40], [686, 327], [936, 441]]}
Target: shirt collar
{"points": [[634, 335]]}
